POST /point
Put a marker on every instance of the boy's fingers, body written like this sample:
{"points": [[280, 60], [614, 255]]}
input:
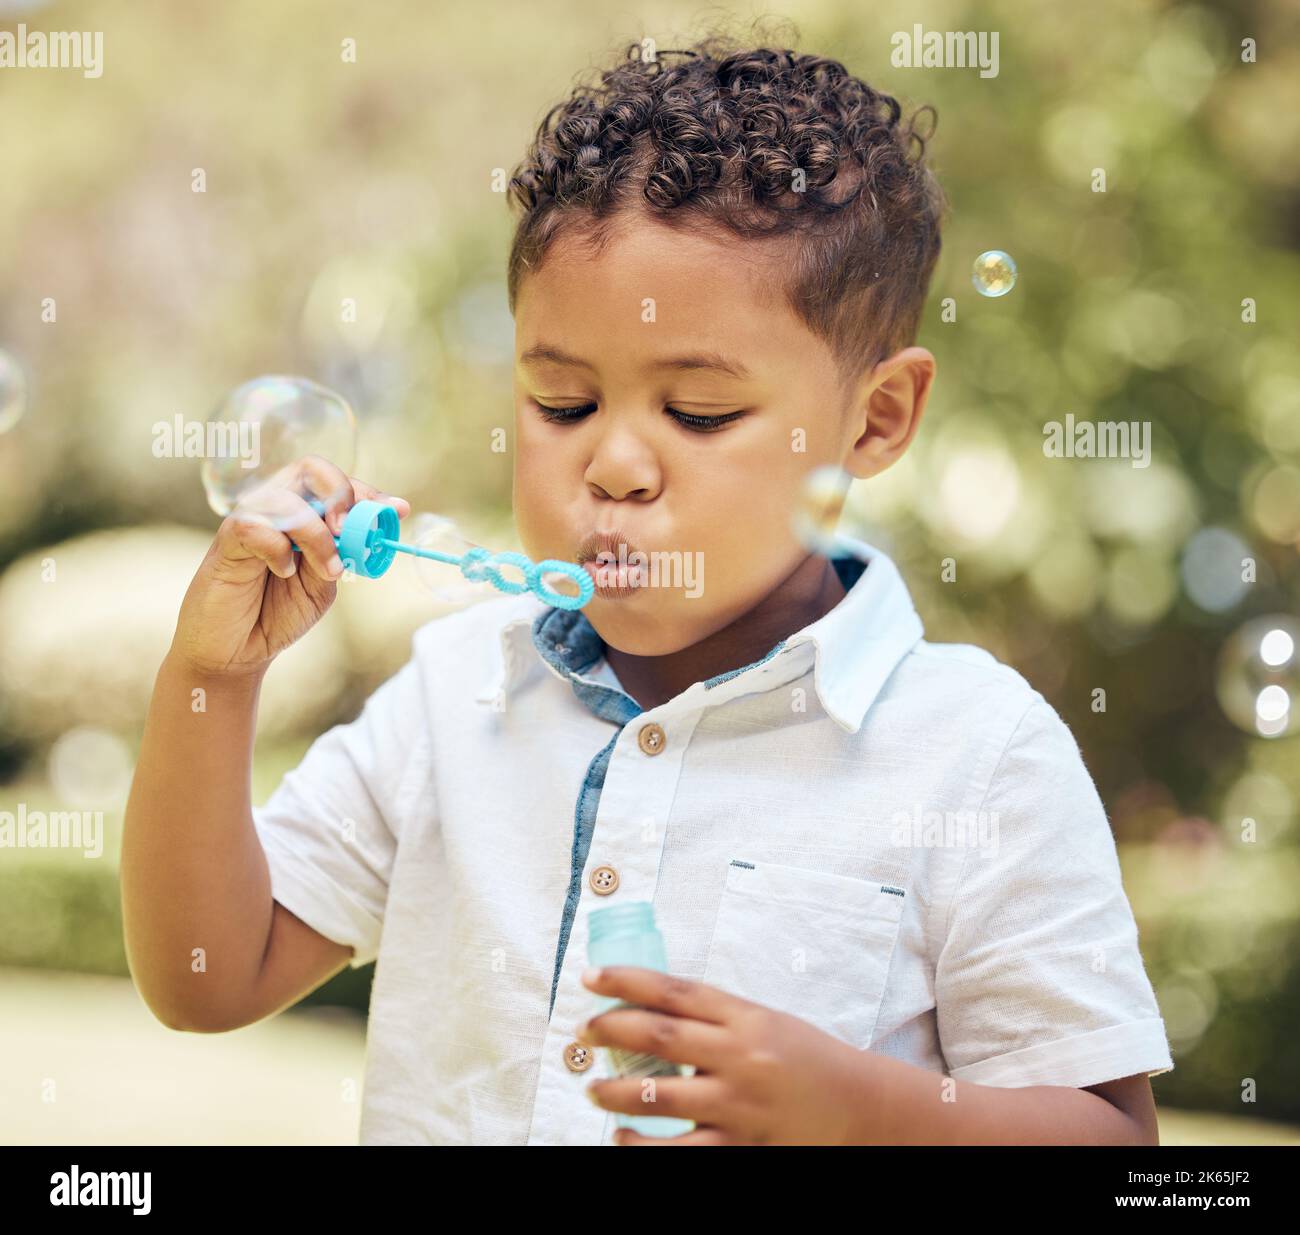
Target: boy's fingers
{"points": [[318, 478], [260, 540], [363, 492], [289, 516], [283, 505], [313, 537], [284, 564], [283, 502]]}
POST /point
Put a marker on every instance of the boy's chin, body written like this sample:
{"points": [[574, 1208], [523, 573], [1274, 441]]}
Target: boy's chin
{"points": [[630, 627]]}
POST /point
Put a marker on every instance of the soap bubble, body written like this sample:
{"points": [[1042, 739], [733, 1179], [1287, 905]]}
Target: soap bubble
{"points": [[443, 581], [256, 445], [994, 273], [13, 392], [821, 500], [1258, 682]]}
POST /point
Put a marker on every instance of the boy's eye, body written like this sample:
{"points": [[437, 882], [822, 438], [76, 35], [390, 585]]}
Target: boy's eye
{"points": [[701, 424]]}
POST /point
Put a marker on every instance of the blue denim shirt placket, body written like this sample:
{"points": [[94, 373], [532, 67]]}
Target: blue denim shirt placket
{"points": [[567, 641]]}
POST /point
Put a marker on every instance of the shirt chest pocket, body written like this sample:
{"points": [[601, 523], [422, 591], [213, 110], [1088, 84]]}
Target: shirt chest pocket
{"points": [[814, 945]]}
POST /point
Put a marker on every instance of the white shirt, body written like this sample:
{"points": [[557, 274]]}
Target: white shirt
{"points": [[789, 829]]}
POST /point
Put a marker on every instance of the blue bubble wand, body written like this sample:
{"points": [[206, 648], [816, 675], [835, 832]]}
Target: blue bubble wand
{"points": [[370, 540]]}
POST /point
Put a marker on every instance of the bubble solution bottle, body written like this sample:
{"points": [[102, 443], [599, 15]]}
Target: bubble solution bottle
{"points": [[627, 935]]}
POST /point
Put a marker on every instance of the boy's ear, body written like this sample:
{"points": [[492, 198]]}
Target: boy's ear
{"points": [[886, 410]]}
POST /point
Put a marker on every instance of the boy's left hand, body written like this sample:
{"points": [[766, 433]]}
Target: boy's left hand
{"points": [[762, 1077]]}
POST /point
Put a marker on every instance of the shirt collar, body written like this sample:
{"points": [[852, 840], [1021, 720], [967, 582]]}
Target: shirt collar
{"points": [[855, 647]]}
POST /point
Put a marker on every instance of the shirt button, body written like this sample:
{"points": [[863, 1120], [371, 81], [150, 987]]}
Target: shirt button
{"points": [[651, 739], [604, 879], [578, 1057]]}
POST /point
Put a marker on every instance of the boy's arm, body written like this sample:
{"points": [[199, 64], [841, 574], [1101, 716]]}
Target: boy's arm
{"points": [[766, 1077], [189, 829], [1133, 1096], [902, 1104]]}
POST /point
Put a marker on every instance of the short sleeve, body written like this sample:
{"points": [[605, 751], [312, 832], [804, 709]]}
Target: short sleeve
{"points": [[1039, 980], [330, 829]]}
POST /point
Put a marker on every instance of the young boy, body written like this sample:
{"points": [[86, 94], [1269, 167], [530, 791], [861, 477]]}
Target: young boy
{"points": [[717, 276]]}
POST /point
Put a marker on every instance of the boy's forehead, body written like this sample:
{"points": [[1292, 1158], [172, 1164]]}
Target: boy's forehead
{"points": [[693, 289]]}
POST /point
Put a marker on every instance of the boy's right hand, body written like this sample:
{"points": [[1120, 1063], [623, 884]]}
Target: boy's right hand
{"points": [[253, 595]]}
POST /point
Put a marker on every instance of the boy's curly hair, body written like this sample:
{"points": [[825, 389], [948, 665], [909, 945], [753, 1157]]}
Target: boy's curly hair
{"points": [[718, 134]]}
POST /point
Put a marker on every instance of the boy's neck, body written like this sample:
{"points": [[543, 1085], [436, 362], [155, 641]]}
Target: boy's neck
{"points": [[810, 592]]}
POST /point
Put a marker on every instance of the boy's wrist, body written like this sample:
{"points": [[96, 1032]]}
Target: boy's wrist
{"points": [[243, 680]]}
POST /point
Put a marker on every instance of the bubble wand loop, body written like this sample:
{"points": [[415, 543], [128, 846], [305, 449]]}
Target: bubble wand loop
{"points": [[369, 541]]}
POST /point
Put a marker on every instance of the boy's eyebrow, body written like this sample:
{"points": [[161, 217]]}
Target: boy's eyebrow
{"points": [[694, 361]]}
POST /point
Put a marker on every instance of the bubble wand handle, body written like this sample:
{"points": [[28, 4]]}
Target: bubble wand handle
{"points": [[368, 543]]}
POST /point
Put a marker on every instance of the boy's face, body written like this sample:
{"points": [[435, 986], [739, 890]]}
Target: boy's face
{"points": [[721, 499]]}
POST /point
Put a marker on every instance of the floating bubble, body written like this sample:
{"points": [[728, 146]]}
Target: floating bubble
{"points": [[994, 273], [443, 581], [264, 444], [1258, 682], [90, 767], [821, 501], [13, 392]]}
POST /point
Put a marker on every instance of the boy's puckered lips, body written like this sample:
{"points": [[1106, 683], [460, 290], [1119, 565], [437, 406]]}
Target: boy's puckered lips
{"points": [[613, 563], [612, 544]]}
